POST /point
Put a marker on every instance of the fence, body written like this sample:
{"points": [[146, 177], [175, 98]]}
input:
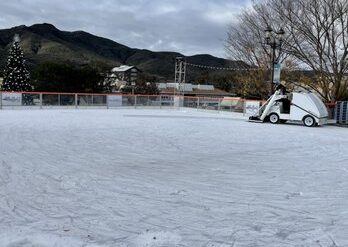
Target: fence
{"points": [[29, 100], [341, 113], [43, 100]]}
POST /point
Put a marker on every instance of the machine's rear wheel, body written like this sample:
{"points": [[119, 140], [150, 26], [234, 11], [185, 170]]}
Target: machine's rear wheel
{"points": [[274, 118], [309, 121]]}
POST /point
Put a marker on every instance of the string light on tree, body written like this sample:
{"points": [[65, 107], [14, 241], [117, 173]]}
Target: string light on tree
{"points": [[16, 76]]}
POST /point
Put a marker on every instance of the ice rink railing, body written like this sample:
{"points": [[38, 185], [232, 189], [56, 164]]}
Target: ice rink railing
{"points": [[44, 100], [28, 100]]}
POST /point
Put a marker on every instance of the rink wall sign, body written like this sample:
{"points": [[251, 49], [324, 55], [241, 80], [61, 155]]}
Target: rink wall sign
{"points": [[11, 99], [251, 107]]}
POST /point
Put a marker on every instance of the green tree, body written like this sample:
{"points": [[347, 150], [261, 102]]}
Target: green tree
{"points": [[145, 84], [51, 77], [146, 88], [16, 76]]}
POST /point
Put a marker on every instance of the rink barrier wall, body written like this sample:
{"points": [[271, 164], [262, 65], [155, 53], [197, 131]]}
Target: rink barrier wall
{"points": [[51, 100], [341, 112]]}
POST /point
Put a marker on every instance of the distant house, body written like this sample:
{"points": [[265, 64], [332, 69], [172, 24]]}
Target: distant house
{"points": [[192, 90], [123, 75], [209, 96]]}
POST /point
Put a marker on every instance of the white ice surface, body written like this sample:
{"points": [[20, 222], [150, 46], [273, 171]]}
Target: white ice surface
{"points": [[169, 178]]}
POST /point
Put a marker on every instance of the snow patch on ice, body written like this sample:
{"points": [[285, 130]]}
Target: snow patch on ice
{"points": [[41, 240]]}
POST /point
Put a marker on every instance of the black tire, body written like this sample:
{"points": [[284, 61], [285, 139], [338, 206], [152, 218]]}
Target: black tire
{"points": [[274, 118], [309, 121]]}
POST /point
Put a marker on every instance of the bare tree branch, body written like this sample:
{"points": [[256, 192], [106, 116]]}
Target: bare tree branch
{"points": [[316, 39]]}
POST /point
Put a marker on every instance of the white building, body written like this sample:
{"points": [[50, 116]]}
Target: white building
{"points": [[123, 75], [192, 90]]}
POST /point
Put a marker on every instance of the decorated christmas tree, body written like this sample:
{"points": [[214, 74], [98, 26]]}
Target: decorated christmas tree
{"points": [[16, 76]]}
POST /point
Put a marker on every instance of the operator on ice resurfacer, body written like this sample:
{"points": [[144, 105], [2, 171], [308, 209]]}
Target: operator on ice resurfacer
{"points": [[283, 106]]}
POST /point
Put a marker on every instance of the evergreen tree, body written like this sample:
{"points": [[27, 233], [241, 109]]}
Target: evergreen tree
{"points": [[16, 76]]}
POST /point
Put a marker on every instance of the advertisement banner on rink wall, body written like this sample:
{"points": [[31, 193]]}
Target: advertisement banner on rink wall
{"points": [[114, 100], [11, 99], [251, 107]]}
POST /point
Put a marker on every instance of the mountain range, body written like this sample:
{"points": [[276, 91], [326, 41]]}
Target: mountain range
{"points": [[45, 43]]}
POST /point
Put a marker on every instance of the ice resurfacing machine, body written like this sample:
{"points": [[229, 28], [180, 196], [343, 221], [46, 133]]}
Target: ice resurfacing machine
{"points": [[282, 106]]}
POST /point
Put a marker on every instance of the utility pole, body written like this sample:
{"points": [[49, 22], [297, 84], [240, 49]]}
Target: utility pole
{"points": [[180, 75]]}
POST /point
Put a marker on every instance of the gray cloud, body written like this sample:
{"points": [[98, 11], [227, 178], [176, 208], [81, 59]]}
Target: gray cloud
{"points": [[187, 26]]}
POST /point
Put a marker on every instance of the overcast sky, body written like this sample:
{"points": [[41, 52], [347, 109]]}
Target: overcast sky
{"points": [[187, 26]]}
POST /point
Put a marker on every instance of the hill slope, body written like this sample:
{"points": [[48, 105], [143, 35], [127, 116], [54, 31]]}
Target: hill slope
{"points": [[45, 43]]}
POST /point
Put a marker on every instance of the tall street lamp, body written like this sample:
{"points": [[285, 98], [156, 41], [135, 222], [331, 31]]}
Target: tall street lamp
{"points": [[275, 40]]}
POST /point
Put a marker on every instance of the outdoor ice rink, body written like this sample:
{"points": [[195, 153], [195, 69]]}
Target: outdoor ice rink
{"points": [[169, 178]]}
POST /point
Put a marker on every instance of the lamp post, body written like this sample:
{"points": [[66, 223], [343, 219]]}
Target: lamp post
{"points": [[275, 40]]}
